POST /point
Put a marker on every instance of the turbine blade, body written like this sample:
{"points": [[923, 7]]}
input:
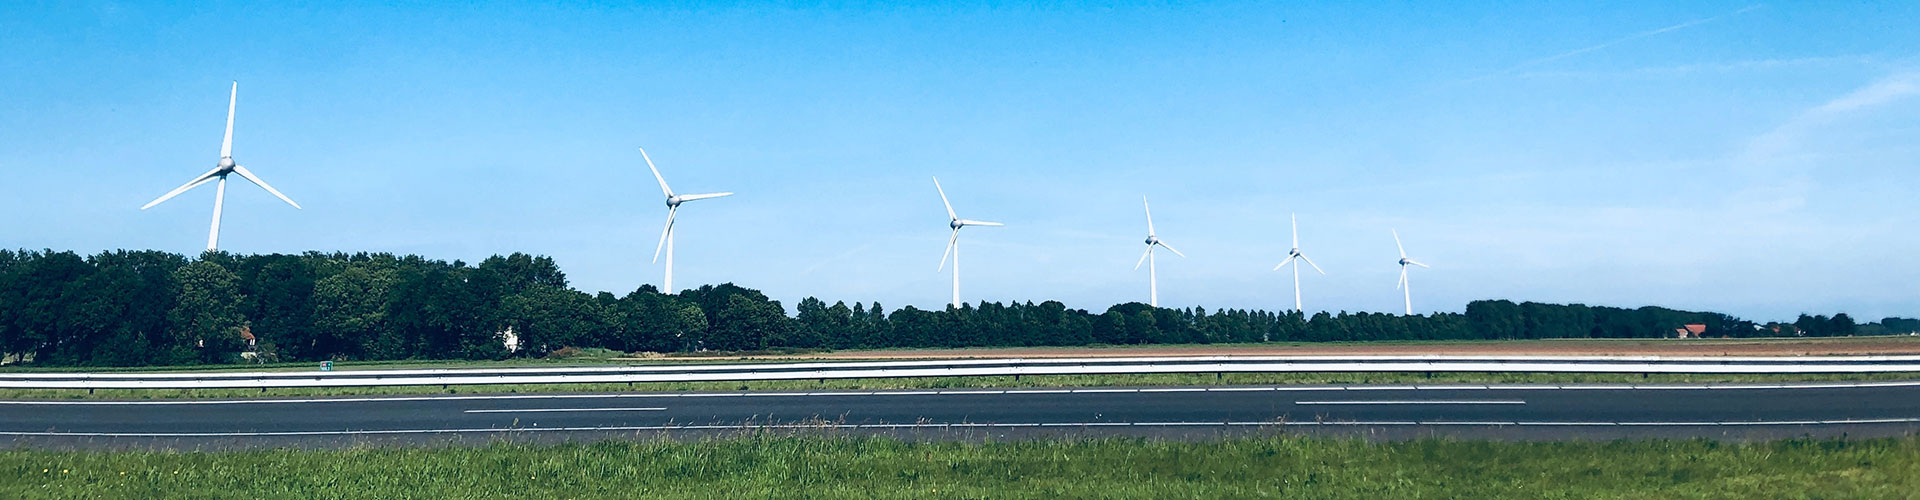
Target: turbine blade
{"points": [[1143, 202], [1296, 229], [664, 232], [1403, 279], [656, 174], [263, 185], [1396, 243], [943, 199], [226, 144], [951, 241], [966, 222], [196, 182], [1143, 258], [1284, 263], [1417, 263], [1170, 249], [691, 197], [1309, 260]]}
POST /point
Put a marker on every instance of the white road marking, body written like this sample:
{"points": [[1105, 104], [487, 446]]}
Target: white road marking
{"points": [[961, 425], [1418, 402], [488, 397], [559, 410]]}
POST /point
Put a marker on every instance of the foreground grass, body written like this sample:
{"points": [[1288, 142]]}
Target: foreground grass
{"points": [[849, 467], [1118, 380]]}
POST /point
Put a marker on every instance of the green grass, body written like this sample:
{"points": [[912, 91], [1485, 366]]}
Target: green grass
{"points": [[852, 467], [1201, 379]]}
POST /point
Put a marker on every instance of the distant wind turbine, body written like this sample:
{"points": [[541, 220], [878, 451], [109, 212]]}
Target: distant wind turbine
{"points": [[1153, 280], [1295, 257], [219, 173], [673, 208], [953, 242], [1405, 287]]}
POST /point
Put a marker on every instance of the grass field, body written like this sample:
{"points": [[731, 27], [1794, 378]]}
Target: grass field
{"points": [[1202, 379], [851, 467]]}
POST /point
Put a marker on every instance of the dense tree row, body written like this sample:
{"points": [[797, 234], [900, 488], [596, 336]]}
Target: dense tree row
{"points": [[154, 308]]}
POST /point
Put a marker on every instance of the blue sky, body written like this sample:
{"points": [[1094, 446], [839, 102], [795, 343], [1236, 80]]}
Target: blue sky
{"points": [[1756, 159]]}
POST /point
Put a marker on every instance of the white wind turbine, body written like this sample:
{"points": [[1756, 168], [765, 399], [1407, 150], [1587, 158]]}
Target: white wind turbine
{"points": [[1295, 257], [219, 173], [673, 208], [953, 242], [1405, 287], [1153, 280]]}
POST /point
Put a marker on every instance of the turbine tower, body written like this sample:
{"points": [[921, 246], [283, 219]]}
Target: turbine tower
{"points": [[1405, 287], [673, 208], [1295, 257], [953, 242], [219, 173], [1153, 280]]}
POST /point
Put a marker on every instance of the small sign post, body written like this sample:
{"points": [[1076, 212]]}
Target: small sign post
{"points": [[326, 366]]}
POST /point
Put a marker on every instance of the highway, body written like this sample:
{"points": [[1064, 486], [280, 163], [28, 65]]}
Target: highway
{"points": [[1529, 412]]}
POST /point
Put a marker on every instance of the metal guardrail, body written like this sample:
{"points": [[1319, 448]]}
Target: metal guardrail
{"points": [[964, 368]]}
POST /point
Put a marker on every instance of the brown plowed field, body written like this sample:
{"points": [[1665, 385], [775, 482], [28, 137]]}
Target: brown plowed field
{"points": [[1668, 347]]}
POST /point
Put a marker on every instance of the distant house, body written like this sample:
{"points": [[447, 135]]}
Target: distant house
{"points": [[1690, 330]]}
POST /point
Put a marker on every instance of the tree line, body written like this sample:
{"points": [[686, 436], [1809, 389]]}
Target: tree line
{"points": [[133, 308]]}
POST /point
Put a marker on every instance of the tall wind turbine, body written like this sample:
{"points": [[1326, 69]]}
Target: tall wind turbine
{"points": [[953, 242], [673, 208], [219, 173], [1404, 286], [1153, 280], [1295, 257]]}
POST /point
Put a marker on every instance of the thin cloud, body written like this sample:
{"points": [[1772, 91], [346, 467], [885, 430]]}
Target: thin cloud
{"points": [[1711, 67], [1783, 138], [1617, 41]]}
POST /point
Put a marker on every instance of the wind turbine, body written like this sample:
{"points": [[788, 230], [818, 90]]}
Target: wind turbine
{"points": [[1295, 257], [953, 242], [1153, 280], [219, 173], [673, 208], [1404, 286]]}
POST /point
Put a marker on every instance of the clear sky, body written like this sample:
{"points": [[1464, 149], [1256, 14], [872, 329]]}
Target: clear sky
{"points": [[1756, 159]]}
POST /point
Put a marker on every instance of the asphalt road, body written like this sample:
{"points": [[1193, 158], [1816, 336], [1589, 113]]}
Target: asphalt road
{"points": [[1739, 412]]}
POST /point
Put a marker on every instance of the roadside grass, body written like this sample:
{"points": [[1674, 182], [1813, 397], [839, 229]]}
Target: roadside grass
{"points": [[768, 466], [993, 382]]}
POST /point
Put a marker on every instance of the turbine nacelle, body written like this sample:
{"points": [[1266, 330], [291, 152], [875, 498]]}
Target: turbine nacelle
{"points": [[226, 164], [1153, 240]]}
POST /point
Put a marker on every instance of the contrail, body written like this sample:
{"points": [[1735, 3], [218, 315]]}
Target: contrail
{"points": [[1617, 41]]}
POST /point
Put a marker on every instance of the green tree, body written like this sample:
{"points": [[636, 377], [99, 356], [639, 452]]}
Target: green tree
{"points": [[548, 318], [350, 313], [207, 316]]}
